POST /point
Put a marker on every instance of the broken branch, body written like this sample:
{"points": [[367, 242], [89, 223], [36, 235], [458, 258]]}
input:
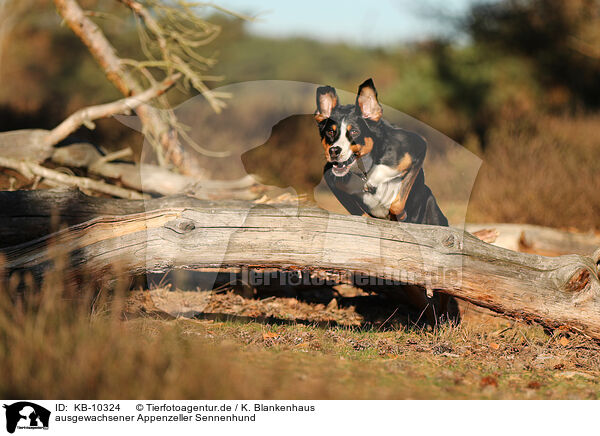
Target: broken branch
{"points": [[125, 105], [31, 169]]}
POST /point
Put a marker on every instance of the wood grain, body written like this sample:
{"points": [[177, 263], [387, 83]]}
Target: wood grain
{"points": [[179, 232]]}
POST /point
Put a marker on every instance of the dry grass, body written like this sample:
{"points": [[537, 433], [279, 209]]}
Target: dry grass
{"points": [[54, 346], [541, 171]]}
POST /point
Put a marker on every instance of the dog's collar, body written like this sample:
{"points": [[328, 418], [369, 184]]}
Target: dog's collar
{"points": [[363, 165]]}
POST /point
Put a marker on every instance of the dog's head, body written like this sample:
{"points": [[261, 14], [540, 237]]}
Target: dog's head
{"points": [[347, 130]]}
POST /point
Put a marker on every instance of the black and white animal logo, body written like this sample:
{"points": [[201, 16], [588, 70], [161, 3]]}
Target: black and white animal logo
{"points": [[26, 415]]}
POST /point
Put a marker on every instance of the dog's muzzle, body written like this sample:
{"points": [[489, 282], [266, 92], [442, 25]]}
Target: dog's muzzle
{"points": [[340, 169]]}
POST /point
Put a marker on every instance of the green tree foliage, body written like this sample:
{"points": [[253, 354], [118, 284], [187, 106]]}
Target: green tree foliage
{"points": [[559, 38]]}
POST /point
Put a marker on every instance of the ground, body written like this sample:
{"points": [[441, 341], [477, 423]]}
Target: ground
{"points": [[296, 349], [255, 347]]}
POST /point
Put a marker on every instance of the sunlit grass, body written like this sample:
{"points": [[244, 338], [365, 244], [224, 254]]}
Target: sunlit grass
{"points": [[55, 347]]}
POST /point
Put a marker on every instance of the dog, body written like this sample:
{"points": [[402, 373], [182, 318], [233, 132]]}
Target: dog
{"points": [[376, 168], [372, 166]]}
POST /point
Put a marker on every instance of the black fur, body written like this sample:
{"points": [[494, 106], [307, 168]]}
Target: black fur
{"points": [[390, 145]]}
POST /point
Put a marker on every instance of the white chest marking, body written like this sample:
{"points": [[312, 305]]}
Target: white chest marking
{"points": [[388, 182]]}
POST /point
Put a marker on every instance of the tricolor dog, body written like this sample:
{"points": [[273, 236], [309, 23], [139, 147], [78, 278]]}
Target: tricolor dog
{"points": [[376, 168], [372, 166]]}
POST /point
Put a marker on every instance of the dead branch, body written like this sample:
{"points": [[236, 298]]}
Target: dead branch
{"points": [[178, 31], [30, 169], [123, 106], [25, 144], [120, 154], [530, 238], [160, 127], [150, 178], [91, 35]]}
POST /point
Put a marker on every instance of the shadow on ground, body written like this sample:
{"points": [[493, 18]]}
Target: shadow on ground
{"points": [[232, 299]]}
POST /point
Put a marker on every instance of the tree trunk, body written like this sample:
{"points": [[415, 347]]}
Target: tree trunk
{"points": [[179, 232], [105, 54]]}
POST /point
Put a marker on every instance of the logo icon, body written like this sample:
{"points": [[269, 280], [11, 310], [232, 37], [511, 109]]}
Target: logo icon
{"points": [[26, 415]]}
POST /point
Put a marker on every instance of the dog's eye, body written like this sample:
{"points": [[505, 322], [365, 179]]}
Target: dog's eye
{"points": [[330, 132], [354, 133]]}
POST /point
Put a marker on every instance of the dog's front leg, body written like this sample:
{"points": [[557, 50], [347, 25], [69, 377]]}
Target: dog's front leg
{"points": [[417, 298], [407, 180]]}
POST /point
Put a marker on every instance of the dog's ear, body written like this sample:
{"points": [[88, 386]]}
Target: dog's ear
{"points": [[327, 99], [366, 101]]}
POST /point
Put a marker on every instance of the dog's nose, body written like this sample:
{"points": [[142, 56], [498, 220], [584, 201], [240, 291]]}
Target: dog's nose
{"points": [[335, 151]]}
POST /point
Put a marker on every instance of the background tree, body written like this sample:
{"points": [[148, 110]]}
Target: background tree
{"points": [[171, 34], [560, 38]]}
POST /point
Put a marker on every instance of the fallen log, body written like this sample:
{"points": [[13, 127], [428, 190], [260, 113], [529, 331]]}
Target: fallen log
{"points": [[29, 215], [28, 144], [31, 169], [151, 178], [529, 238], [191, 234]]}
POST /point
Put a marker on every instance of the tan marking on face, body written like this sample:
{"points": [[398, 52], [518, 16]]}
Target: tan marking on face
{"points": [[362, 149], [334, 127], [349, 127], [325, 145], [405, 163]]}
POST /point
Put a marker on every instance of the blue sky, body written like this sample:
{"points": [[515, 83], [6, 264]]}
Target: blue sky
{"points": [[362, 22]]}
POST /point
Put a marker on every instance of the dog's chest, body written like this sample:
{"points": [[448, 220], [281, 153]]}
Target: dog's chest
{"points": [[377, 190]]}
